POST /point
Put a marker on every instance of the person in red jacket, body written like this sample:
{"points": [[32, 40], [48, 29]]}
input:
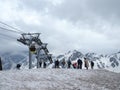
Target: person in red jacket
{"points": [[74, 65]]}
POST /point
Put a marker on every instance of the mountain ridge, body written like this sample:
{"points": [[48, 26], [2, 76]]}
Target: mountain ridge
{"points": [[110, 62]]}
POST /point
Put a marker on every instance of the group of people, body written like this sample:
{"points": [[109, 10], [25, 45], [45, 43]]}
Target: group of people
{"points": [[41, 64], [78, 64], [86, 63], [69, 64]]}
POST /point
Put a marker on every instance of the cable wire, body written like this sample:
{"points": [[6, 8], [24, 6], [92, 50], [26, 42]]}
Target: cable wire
{"points": [[11, 27], [7, 37], [9, 30]]}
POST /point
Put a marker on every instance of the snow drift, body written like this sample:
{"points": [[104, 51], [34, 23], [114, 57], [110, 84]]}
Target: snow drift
{"points": [[59, 79]]}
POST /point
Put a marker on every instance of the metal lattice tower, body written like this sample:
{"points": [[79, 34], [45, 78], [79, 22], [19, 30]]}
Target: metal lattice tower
{"points": [[35, 44]]}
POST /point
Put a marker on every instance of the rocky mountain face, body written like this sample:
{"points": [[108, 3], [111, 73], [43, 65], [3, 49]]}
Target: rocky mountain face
{"points": [[110, 62]]}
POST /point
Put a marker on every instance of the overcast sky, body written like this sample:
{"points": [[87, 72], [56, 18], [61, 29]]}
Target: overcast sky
{"points": [[84, 25]]}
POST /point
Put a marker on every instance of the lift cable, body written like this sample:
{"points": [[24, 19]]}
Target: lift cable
{"points": [[7, 36], [20, 31], [2, 28]]}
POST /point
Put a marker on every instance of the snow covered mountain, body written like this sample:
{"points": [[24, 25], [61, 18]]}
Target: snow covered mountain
{"points": [[10, 59], [109, 62]]}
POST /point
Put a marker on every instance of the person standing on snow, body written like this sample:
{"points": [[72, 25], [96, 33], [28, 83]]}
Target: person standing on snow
{"points": [[44, 65], [40, 63], [57, 64], [63, 63], [92, 64], [18, 66], [79, 61], [74, 65], [86, 63], [69, 63]]}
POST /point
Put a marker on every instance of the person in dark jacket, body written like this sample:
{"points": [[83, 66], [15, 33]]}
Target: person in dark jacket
{"points": [[18, 66], [69, 63], [0, 64], [79, 64], [44, 65], [92, 64], [57, 64], [40, 64]]}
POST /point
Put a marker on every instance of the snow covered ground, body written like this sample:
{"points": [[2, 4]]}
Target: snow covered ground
{"points": [[59, 79]]}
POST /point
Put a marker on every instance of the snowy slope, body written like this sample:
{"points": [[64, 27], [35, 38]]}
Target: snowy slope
{"points": [[59, 79]]}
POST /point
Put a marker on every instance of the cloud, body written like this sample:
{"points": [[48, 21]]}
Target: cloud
{"points": [[65, 24], [86, 9]]}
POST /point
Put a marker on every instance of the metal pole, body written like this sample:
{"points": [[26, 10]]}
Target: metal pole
{"points": [[37, 59], [30, 62], [0, 64], [37, 63]]}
